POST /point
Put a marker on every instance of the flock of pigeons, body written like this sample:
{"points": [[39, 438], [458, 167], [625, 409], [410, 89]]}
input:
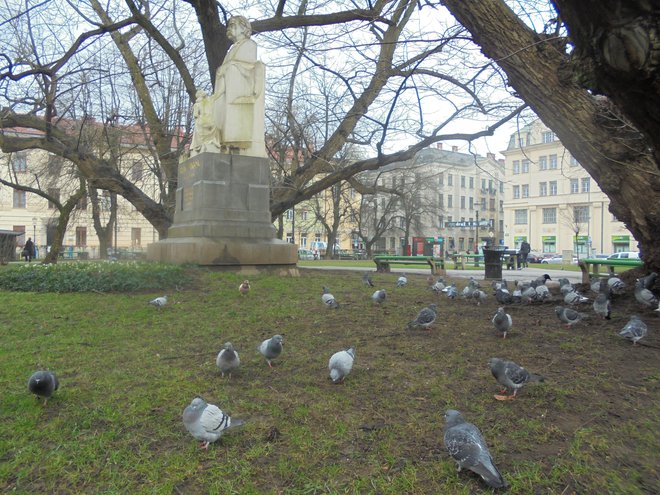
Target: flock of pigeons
{"points": [[464, 442]]}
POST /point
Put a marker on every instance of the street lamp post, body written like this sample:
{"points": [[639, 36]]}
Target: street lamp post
{"points": [[34, 234], [476, 234]]}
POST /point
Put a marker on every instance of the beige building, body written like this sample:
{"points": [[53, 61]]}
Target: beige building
{"points": [[553, 203]]}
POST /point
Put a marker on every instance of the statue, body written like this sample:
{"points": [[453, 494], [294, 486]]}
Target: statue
{"points": [[231, 120]]}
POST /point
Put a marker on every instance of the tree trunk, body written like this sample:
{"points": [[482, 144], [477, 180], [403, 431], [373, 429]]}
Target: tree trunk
{"points": [[103, 233], [616, 155], [63, 221]]}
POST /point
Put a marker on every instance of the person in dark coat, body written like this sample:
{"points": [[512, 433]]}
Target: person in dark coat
{"points": [[525, 249], [28, 249]]}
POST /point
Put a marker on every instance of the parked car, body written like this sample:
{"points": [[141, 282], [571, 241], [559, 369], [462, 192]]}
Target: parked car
{"points": [[600, 256], [557, 260], [626, 255], [534, 257], [305, 254], [346, 254]]}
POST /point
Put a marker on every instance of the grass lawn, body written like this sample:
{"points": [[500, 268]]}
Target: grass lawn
{"points": [[127, 371]]}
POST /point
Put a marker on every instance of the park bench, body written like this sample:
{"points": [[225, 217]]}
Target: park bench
{"points": [[383, 262], [461, 259], [591, 267]]}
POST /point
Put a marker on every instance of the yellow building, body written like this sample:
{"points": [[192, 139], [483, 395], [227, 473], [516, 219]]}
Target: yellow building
{"points": [[553, 203]]}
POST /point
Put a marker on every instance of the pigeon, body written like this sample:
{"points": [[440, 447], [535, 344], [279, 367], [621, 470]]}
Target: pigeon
{"points": [[634, 330], [227, 359], [379, 296], [43, 384], [602, 306], [328, 299], [479, 296], [542, 279], [503, 296], [645, 296], [159, 302], [511, 376], [468, 448], [502, 322], [566, 288], [438, 287], [366, 279], [568, 316], [271, 348], [341, 364], [516, 295], [425, 318], [616, 285], [649, 281], [542, 293], [451, 291], [468, 290], [574, 298], [529, 295], [595, 285], [244, 288], [206, 422], [402, 281]]}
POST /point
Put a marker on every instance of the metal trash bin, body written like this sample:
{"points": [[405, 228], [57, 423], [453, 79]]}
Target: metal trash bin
{"points": [[493, 262]]}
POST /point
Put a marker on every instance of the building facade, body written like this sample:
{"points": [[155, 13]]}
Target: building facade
{"points": [[553, 203]]}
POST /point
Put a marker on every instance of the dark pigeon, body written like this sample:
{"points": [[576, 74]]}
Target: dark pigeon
{"points": [[43, 384], [425, 319], [511, 376]]}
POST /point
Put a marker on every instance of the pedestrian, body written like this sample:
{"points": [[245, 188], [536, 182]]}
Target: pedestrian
{"points": [[28, 250], [316, 254], [525, 249]]}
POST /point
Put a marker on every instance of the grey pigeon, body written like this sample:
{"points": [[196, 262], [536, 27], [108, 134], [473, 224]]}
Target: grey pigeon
{"points": [[479, 296], [366, 279], [529, 295], [574, 298], [649, 281], [516, 295], [341, 364], [207, 422], [568, 316], [328, 299], [402, 281], [511, 376], [542, 292], [566, 288], [468, 290], [602, 306], [542, 279], [634, 330], [451, 291], [271, 348], [503, 296], [645, 296], [595, 285], [468, 448], [43, 384], [227, 359], [379, 296], [502, 322], [438, 287], [425, 318], [159, 302], [616, 285]]}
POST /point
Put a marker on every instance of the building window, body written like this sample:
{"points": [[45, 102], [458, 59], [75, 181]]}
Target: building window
{"points": [[471, 182], [441, 200], [471, 202], [450, 201], [573, 162], [492, 204], [553, 188], [575, 186], [304, 215], [553, 162], [461, 244], [19, 199], [549, 246], [106, 201], [525, 191], [483, 184], [516, 192], [463, 202], [483, 203], [501, 205], [501, 187], [462, 181], [450, 180], [81, 236], [520, 217], [54, 193], [303, 240], [581, 214], [289, 237], [516, 170], [136, 236], [289, 214], [543, 163], [19, 161], [441, 179], [525, 166], [402, 223], [441, 222], [548, 137], [549, 215], [543, 188], [585, 184]]}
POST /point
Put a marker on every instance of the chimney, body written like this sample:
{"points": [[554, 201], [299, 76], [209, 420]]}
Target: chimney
{"points": [[438, 145], [501, 161], [491, 156], [454, 149]]}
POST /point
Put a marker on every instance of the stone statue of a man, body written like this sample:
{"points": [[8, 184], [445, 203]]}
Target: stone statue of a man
{"points": [[233, 116]]}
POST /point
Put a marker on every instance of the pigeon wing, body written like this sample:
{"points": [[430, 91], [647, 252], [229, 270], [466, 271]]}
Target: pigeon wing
{"points": [[213, 420]]}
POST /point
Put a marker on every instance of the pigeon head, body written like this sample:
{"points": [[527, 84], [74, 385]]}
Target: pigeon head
{"points": [[558, 310], [453, 418], [351, 351], [277, 340], [198, 403], [433, 307], [546, 276], [228, 346], [492, 362]]}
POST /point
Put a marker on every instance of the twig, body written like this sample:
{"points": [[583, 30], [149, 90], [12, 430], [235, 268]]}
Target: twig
{"points": [[648, 345]]}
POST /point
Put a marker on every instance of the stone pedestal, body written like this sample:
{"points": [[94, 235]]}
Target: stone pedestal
{"points": [[222, 216]]}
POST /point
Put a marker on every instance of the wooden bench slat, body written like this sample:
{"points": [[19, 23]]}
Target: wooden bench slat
{"points": [[595, 264]]}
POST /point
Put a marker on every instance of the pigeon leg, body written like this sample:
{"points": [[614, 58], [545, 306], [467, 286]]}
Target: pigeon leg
{"points": [[504, 335], [504, 397], [204, 445], [269, 365]]}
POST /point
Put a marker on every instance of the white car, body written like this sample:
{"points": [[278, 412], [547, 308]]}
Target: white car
{"points": [[557, 260], [626, 255], [305, 254]]}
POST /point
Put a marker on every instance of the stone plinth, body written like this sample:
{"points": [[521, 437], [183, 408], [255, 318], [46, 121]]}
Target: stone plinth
{"points": [[222, 215]]}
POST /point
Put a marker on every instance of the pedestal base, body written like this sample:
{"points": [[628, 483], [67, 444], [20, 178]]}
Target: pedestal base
{"points": [[227, 253]]}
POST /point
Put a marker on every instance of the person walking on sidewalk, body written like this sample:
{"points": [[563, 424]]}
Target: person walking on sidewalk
{"points": [[525, 249]]}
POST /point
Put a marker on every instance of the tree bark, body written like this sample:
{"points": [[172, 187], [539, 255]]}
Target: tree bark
{"points": [[618, 156]]}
